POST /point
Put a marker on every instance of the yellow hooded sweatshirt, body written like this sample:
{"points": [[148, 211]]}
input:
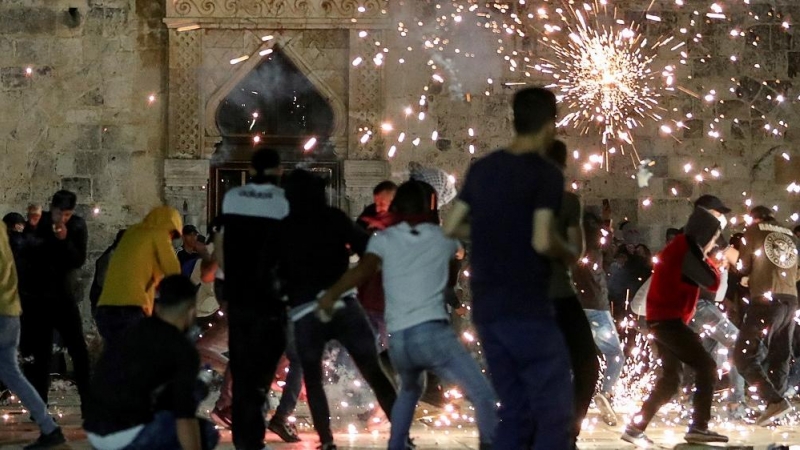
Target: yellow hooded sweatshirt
{"points": [[142, 259], [9, 295]]}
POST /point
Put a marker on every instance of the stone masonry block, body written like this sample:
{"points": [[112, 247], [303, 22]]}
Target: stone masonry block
{"points": [[13, 78], [81, 186], [27, 20], [89, 163]]}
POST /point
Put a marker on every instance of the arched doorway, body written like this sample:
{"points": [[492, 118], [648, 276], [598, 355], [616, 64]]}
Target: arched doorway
{"points": [[273, 106]]}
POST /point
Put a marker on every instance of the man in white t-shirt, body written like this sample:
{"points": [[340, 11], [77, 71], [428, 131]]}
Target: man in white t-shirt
{"points": [[416, 259]]}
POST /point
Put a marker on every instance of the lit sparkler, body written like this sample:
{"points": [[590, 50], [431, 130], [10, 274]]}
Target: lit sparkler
{"points": [[605, 74]]}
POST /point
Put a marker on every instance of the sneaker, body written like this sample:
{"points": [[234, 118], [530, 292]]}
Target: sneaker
{"points": [[773, 412], [221, 417], [51, 440], [701, 436], [736, 411], [285, 429], [606, 411], [636, 437]]}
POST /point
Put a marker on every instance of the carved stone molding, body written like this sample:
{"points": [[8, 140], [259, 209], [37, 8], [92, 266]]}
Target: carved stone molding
{"points": [[186, 188], [185, 55], [298, 55], [250, 9], [366, 108]]}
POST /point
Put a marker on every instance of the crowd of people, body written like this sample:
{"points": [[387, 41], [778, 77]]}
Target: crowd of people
{"points": [[553, 284]]}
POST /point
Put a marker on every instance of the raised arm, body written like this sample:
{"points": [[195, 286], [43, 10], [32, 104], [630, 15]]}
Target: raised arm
{"points": [[456, 223]]}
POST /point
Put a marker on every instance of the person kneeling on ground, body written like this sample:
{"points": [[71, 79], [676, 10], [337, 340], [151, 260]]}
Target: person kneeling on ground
{"points": [[151, 401], [417, 261]]}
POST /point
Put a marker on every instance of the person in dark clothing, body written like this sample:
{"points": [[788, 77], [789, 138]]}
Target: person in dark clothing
{"points": [[34, 216], [150, 401], [769, 261], [188, 252], [569, 313], [56, 252], [249, 243], [515, 318], [683, 268], [314, 254], [100, 269]]}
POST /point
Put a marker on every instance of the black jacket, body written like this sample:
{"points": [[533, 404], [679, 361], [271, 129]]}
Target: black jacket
{"points": [[54, 264]]}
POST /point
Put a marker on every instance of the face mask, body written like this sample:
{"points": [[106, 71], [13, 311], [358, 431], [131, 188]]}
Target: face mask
{"points": [[723, 221]]}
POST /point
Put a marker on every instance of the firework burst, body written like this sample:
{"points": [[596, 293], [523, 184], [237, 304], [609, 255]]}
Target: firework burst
{"points": [[605, 73]]}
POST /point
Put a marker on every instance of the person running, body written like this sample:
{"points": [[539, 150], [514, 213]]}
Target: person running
{"points": [[769, 260], [10, 374], [249, 242], [569, 312], [591, 284], [508, 207], [417, 261], [143, 257], [314, 254], [150, 401], [56, 253], [683, 268]]}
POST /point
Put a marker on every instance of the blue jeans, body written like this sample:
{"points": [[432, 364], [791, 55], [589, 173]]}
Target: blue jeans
{"points": [[710, 322], [433, 346], [162, 434], [529, 368], [12, 377], [607, 340]]}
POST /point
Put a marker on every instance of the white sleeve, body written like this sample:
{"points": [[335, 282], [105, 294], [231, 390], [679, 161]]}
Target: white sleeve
{"points": [[377, 245]]}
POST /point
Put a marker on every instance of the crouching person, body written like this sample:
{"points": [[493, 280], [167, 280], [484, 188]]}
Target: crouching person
{"points": [[150, 401]]}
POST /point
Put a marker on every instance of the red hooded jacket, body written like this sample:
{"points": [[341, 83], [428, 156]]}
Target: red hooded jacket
{"points": [[673, 294]]}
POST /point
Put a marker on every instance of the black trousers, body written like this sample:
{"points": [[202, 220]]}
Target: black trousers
{"points": [[676, 344], [582, 354], [256, 341], [351, 328], [39, 321], [751, 357]]}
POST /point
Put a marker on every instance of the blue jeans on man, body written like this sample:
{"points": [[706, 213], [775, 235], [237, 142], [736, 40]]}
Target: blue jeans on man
{"points": [[12, 377], [530, 370], [711, 323], [607, 340], [433, 346]]}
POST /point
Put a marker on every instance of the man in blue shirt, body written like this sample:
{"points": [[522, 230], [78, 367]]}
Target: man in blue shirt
{"points": [[508, 208]]}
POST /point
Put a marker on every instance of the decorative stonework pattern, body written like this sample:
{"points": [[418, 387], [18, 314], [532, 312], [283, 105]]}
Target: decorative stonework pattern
{"points": [[334, 9], [184, 101], [366, 89]]}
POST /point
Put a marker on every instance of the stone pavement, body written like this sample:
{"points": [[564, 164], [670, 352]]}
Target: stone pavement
{"points": [[16, 431]]}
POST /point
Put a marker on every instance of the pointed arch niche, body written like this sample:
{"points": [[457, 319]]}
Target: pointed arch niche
{"points": [[217, 46]]}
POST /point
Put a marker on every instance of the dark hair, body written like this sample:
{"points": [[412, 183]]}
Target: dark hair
{"points": [[12, 219], [737, 240], [412, 198], [533, 108], [672, 232], [384, 186], [558, 153], [304, 190], [263, 160], [64, 200], [761, 213], [176, 290], [189, 229]]}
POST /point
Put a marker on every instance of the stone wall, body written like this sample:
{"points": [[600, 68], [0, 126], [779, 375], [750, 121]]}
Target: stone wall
{"points": [[76, 78]]}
